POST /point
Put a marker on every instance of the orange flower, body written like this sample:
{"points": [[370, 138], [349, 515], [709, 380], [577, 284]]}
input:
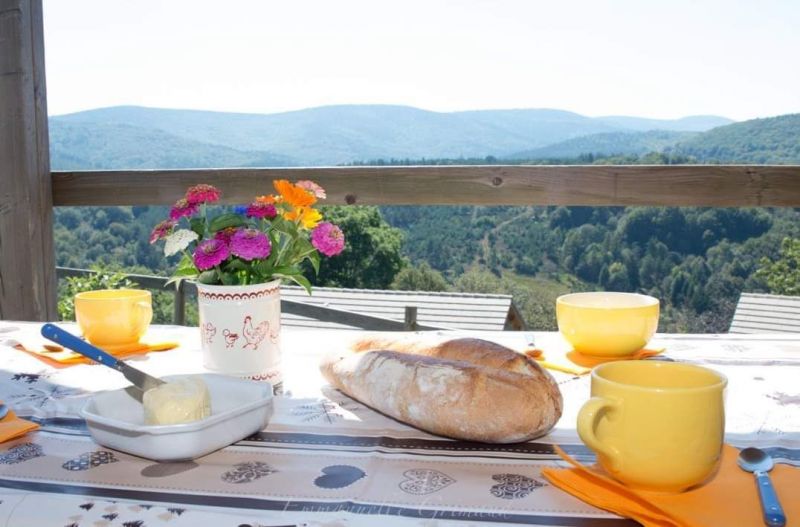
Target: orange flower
{"points": [[307, 216], [294, 195], [267, 200]]}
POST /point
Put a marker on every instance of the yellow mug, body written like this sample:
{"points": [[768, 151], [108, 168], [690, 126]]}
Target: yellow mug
{"points": [[655, 425], [606, 323], [113, 317]]}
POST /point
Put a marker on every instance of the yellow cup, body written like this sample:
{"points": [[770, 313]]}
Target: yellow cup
{"points": [[113, 317], [655, 425], [607, 324]]}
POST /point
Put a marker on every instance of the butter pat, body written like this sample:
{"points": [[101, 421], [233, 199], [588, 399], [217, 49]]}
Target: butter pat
{"points": [[177, 401]]}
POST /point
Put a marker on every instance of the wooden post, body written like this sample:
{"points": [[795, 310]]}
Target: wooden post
{"points": [[27, 257], [179, 308], [410, 322]]}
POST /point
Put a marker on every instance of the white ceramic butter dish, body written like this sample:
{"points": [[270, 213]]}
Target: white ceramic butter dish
{"points": [[239, 408]]}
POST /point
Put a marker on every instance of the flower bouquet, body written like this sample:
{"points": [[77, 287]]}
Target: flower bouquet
{"points": [[254, 244], [238, 259]]}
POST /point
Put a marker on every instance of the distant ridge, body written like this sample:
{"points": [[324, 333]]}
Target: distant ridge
{"points": [[331, 135], [111, 146], [607, 144], [693, 123]]}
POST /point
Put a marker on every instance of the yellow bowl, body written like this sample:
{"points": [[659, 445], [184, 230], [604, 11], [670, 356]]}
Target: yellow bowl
{"points": [[113, 317], [607, 324]]}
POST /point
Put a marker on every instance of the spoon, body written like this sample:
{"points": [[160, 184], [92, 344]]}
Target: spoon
{"points": [[759, 463], [139, 378]]}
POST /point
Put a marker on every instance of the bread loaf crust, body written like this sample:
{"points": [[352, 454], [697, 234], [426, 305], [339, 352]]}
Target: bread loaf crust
{"points": [[468, 389]]}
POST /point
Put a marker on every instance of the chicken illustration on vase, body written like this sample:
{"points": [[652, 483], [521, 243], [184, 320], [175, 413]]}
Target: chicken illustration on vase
{"points": [[254, 334], [230, 338], [208, 332]]}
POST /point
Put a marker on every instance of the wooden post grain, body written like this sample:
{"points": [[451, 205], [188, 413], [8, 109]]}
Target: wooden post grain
{"points": [[27, 259]]}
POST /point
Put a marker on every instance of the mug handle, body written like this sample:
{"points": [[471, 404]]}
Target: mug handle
{"points": [[588, 416]]}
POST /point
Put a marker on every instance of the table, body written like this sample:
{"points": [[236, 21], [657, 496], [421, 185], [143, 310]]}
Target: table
{"points": [[327, 460]]}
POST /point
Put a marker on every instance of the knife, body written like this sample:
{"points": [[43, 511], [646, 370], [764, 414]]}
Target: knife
{"points": [[139, 378]]}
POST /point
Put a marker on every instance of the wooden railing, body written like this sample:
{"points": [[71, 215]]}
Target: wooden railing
{"points": [[599, 185], [316, 312]]}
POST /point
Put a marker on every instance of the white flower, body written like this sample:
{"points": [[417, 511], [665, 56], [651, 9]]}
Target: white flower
{"points": [[178, 241]]}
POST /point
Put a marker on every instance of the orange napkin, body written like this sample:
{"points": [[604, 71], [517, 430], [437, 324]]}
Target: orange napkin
{"points": [[58, 357], [729, 499], [579, 364], [12, 427]]}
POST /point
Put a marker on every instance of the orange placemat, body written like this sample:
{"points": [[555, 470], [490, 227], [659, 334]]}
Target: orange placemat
{"points": [[569, 361], [58, 357], [729, 499]]}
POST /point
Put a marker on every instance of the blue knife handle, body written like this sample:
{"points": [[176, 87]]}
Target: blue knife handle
{"points": [[773, 513], [68, 340]]}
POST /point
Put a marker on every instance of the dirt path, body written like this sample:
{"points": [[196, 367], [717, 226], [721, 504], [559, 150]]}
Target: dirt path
{"points": [[485, 247]]}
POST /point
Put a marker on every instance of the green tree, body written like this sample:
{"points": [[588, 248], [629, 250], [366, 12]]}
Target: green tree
{"points": [[618, 277], [783, 274], [420, 278]]}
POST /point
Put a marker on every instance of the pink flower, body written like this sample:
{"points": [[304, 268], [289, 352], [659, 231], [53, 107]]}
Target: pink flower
{"points": [[202, 193], [328, 239], [210, 253], [162, 230], [312, 187], [261, 210], [250, 244], [225, 235], [182, 208]]}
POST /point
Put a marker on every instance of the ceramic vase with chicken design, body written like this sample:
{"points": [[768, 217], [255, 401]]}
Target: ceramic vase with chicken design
{"points": [[240, 330]]}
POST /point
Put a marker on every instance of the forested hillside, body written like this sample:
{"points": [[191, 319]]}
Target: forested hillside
{"points": [[695, 260], [762, 141]]}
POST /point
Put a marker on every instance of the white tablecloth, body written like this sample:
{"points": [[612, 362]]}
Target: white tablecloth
{"points": [[326, 459]]}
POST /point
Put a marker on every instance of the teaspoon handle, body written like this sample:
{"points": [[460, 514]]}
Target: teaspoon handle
{"points": [[773, 513]]}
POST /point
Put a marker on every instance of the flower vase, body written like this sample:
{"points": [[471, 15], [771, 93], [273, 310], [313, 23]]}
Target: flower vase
{"points": [[240, 330]]}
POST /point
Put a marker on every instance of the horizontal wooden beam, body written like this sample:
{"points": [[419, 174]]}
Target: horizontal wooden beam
{"points": [[657, 185]]}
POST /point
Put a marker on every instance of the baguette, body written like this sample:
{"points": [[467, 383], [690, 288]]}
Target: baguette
{"points": [[467, 389]]}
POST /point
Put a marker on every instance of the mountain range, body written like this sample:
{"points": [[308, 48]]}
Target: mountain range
{"points": [[138, 137]]}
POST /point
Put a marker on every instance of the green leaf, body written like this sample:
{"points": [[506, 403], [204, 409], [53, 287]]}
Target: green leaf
{"points": [[285, 227], [285, 270], [236, 265], [314, 258], [186, 262], [223, 221], [262, 267], [303, 246], [227, 279], [297, 278], [198, 226], [208, 277], [178, 279], [184, 272]]}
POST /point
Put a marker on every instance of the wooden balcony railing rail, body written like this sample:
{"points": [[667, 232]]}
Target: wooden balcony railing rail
{"points": [[29, 191], [600, 185], [316, 312]]}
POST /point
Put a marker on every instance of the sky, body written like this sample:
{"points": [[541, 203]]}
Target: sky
{"points": [[650, 58]]}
